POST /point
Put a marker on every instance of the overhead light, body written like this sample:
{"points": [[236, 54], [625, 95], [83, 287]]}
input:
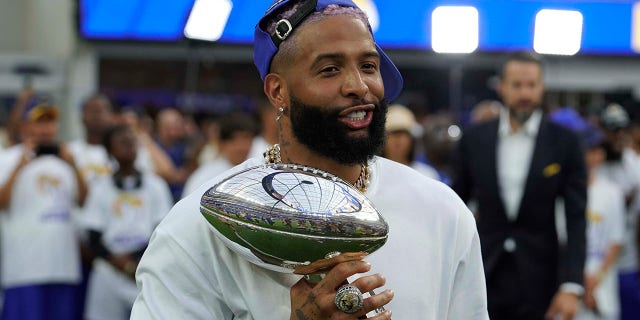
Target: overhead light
{"points": [[454, 29], [558, 32], [372, 12], [208, 19], [635, 28]]}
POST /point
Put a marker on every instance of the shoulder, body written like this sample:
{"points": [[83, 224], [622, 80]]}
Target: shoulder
{"points": [[186, 213], [406, 198], [392, 178]]}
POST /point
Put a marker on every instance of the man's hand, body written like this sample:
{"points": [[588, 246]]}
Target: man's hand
{"points": [[309, 301], [564, 306]]}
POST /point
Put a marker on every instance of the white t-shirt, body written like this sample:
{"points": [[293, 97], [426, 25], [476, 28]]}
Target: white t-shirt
{"points": [[425, 169], [626, 175], [431, 260], [258, 147], [38, 241], [605, 227], [205, 173], [91, 159], [127, 218]]}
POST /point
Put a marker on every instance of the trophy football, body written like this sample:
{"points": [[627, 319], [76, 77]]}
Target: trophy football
{"points": [[286, 217]]}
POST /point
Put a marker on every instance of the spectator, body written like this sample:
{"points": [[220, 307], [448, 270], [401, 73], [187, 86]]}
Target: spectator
{"points": [[605, 235], [621, 168], [514, 168], [400, 145], [237, 132], [170, 136], [39, 185], [121, 212]]}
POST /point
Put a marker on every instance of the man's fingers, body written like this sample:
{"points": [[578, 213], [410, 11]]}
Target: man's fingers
{"points": [[324, 265], [370, 283], [386, 315], [377, 301], [338, 274]]}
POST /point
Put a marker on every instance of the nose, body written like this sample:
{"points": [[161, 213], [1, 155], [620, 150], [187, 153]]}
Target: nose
{"points": [[354, 85]]}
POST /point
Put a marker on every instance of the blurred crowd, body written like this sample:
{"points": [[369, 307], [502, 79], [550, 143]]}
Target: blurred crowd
{"points": [[77, 215]]}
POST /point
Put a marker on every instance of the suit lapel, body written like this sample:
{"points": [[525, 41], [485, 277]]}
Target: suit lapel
{"points": [[538, 160]]}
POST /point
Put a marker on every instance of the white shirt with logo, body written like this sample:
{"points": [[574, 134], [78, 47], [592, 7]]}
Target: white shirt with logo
{"points": [[126, 218], [38, 241]]}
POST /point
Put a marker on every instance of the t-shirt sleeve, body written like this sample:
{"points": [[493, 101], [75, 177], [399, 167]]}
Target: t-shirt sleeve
{"points": [[469, 293], [170, 285], [616, 217], [163, 200], [95, 208]]}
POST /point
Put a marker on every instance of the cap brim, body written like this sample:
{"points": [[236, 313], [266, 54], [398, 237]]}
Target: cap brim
{"points": [[391, 77], [39, 113]]}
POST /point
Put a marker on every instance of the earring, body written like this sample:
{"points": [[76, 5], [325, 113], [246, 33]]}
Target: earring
{"points": [[280, 112]]}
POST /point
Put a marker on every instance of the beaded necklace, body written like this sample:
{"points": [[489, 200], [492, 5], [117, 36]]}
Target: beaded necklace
{"points": [[272, 155]]}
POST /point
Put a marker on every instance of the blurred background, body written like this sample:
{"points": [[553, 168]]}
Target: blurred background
{"points": [[196, 54]]}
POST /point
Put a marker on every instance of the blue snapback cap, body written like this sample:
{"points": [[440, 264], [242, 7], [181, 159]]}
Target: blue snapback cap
{"points": [[265, 45]]}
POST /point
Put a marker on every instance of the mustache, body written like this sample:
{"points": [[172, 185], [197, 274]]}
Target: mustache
{"points": [[377, 106]]}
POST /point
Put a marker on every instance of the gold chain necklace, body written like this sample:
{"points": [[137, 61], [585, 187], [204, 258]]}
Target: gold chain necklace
{"points": [[272, 155]]}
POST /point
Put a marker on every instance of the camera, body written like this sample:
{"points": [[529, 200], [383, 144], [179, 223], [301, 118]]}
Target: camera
{"points": [[47, 149]]}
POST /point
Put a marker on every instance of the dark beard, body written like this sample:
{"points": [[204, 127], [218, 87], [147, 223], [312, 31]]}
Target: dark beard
{"points": [[520, 116], [320, 130], [613, 155]]}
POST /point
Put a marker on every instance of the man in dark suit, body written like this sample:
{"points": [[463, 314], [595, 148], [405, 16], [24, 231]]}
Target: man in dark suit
{"points": [[515, 168]]}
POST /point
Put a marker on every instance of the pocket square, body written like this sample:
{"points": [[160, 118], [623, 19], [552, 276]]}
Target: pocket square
{"points": [[551, 170]]}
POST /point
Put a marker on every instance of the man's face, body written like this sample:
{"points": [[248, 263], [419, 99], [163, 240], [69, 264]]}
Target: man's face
{"points": [[42, 131], [124, 146], [335, 90], [521, 89], [97, 115], [238, 147]]}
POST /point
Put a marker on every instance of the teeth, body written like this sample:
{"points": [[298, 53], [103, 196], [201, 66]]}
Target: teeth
{"points": [[357, 115]]}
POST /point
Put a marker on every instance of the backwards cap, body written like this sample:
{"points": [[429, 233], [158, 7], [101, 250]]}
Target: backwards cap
{"points": [[265, 45]]}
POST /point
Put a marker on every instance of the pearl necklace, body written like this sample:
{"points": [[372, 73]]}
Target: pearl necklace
{"points": [[272, 155]]}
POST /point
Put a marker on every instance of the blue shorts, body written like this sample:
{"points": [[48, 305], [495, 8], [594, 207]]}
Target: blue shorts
{"points": [[40, 302], [629, 283]]}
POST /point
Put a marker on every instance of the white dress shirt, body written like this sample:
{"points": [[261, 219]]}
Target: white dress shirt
{"points": [[515, 151]]}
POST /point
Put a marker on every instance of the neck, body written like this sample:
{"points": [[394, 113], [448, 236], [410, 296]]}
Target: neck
{"points": [[299, 154], [94, 138], [126, 170]]}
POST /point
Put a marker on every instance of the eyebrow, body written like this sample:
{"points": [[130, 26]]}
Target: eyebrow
{"points": [[342, 56]]}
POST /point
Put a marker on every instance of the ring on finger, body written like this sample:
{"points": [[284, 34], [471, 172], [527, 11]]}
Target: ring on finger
{"points": [[349, 299]]}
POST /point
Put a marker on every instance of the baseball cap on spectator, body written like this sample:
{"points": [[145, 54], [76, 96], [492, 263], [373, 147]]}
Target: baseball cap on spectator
{"points": [[614, 117], [266, 45], [568, 117], [37, 109], [400, 118]]}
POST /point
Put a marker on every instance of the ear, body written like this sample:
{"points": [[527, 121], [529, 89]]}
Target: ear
{"points": [[275, 89]]}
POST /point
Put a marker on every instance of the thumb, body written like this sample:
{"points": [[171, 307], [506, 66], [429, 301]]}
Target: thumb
{"points": [[300, 287]]}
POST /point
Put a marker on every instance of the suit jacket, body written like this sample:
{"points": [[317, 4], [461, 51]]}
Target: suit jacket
{"points": [[557, 171]]}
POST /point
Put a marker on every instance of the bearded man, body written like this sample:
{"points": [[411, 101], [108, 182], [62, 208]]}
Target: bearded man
{"points": [[516, 168], [330, 84]]}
